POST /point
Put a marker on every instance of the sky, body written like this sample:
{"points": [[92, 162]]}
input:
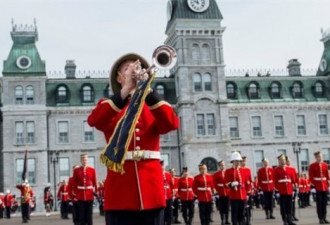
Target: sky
{"points": [[259, 33]]}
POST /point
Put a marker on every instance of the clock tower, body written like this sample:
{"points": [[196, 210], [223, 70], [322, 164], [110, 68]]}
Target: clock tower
{"points": [[324, 67], [194, 30]]}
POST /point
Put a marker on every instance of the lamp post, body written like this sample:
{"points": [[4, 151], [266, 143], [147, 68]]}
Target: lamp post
{"points": [[54, 160], [296, 149]]}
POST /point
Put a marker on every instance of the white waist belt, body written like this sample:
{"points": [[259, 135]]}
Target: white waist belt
{"points": [[85, 188], [142, 154], [284, 181], [220, 185], [186, 189], [267, 181], [65, 193], [204, 189], [320, 178]]}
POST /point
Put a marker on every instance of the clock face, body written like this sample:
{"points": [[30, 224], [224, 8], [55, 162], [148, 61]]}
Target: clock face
{"points": [[323, 65], [198, 5], [23, 62], [169, 10]]}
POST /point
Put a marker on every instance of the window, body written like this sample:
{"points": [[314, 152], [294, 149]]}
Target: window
{"points": [[87, 93], [275, 90], [231, 90], [209, 123], [318, 89], [19, 95], [297, 91], [91, 161], [233, 123], [304, 160], [30, 132], [206, 55], [253, 91], [107, 91], [211, 164], [256, 126], [301, 126], [281, 151], [323, 124], [160, 90], [29, 95], [31, 170], [195, 55], [258, 156], [64, 169], [197, 82], [63, 132], [19, 132], [326, 155], [62, 94], [88, 132], [200, 124], [279, 128], [166, 158], [207, 82]]}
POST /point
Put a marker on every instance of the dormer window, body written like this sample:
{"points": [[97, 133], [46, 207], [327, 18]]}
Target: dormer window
{"points": [[18, 95], [160, 90], [318, 89], [231, 90], [62, 94], [275, 90], [87, 93], [297, 90], [253, 90]]}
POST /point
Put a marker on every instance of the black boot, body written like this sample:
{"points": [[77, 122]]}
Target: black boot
{"points": [[271, 214], [284, 219], [267, 214], [226, 218], [290, 219], [222, 218]]}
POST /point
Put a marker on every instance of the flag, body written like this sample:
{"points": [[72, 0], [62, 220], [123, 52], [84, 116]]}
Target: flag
{"points": [[114, 154], [24, 165]]}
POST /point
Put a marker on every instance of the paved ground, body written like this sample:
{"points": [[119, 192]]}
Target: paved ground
{"points": [[307, 216]]}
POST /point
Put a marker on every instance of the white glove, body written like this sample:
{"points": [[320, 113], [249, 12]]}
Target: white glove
{"points": [[234, 183]]}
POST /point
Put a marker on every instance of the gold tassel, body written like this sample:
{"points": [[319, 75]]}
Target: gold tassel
{"points": [[111, 165]]}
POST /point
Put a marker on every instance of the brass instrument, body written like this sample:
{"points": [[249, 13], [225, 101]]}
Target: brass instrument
{"points": [[163, 57]]}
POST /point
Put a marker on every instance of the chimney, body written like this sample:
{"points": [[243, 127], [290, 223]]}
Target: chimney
{"points": [[70, 69], [294, 67]]}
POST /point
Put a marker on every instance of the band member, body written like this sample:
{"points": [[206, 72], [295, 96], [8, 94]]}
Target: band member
{"points": [[284, 180], [2, 204], [168, 187], [319, 177], [63, 195], [131, 197], [249, 189], [203, 189], [223, 192], [8, 201], [100, 191], [186, 196], [237, 181], [176, 197], [26, 196], [266, 183], [73, 199], [295, 188], [84, 178], [302, 191], [48, 200], [308, 190]]}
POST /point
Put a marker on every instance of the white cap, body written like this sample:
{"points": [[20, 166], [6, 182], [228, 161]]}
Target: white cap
{"points": [[235, 157]]}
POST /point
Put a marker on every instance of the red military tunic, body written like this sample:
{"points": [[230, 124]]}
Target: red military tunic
{"points": [[2, 202], [142, 184], [239, 175], [266, 178], [8, 200], [220, 183], [85, 183], [26, 193], [185, 188], [302, 185], [100, 192], [284, 178], [248, 175], [168, 185], [203, 187], [319, 176], [175, 181], [63, 193], [72, 190]]}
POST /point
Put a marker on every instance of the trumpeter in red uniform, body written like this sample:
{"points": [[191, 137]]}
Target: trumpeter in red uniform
{"points": [[176, 197], [84, 178], [236, 179], [203, 189], [26, 197], [284, 180], [8, 201], [319, 177], [295, 188], [266, 183], [63, 196], [137, 195], [186, 196], [222, 191], [73, 199], [168, 188]]}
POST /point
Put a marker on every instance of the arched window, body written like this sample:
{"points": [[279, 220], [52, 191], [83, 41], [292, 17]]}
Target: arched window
{"points": [[197, 82], [231, 90], [18, 95], [29, 92], [275, 90], [195, 54], [297, 90], [87, 93], [318, 89], [207, 82], [62, 94], [160, 89], [253, 91], [206, 54], [211, 164]]}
